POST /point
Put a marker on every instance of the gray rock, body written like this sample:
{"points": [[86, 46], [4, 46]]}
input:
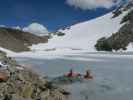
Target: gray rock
{"points": [[24, 84]]}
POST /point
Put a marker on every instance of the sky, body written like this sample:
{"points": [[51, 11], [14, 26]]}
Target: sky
{"points": [[53, 14]]}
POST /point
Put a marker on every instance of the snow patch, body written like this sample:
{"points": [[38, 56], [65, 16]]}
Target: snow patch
{"points": [[8, 52], [83, 36], [130, 47]]}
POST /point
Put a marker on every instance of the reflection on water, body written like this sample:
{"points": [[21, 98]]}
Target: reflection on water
{"points": [[112, 76]]}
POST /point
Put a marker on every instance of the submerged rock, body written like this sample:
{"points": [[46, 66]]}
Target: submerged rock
{"points": [[20, 83]]}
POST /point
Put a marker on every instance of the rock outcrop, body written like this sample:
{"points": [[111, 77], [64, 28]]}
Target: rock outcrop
{"points": [[19, 83], [121, 39]]}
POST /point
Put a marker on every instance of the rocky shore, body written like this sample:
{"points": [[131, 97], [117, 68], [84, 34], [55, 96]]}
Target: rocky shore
{"points": [[20, 83]]}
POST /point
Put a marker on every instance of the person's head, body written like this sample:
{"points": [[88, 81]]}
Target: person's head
{"points": [[88, 70], [71, 70]]}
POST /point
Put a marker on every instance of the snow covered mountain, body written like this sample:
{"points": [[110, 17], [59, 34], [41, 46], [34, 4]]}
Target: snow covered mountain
{"points": [[83, 36], [121, 39]]}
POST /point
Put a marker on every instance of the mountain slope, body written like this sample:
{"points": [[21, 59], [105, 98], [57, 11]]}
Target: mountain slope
{"points": [[83, 36], [124, 36], [17, 40]]}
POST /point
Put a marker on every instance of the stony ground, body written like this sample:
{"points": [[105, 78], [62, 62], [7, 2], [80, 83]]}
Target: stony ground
{"points": [[19, 83]]}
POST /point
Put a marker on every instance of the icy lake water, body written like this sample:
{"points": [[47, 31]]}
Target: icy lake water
{"points": [[112, 74]]}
